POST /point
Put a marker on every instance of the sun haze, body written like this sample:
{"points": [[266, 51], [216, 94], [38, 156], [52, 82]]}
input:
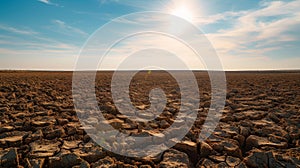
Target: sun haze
{"points": [[183, 12]]}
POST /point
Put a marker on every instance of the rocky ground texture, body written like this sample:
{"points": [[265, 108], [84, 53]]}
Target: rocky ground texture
{"points": [[259, 127]]}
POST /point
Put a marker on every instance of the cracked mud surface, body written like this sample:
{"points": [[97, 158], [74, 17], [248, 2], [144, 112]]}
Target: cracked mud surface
{"points": [[259, 127]]}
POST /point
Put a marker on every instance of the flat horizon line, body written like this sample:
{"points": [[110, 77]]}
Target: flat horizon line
{"points": [[111, 70]]}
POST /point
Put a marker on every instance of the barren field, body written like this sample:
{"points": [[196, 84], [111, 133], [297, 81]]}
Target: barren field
{"points": [[259, 126]]}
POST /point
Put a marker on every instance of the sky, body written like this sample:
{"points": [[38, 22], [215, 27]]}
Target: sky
{"points": [[246, 34]]}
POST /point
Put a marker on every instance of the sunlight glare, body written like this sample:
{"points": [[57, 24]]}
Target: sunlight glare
{"points": [[183, 12]]}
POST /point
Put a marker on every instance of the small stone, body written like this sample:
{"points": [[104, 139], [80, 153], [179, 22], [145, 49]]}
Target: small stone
{"points": [[227, 119], [272, 161], [206, 104], [256, 141], [116, 123], [83, 164], [229, 147], [37, 135], [232, 149], [188, 147], [262, 123], [122, 117], [246, 123], [240, 139], [205, 149], [127, 126], [90, 154], [35, 163], [257, 159], [13, 141], [105, 162], [241, 165], [64, 160], [164, 124], [217, 158], [92, 121], [234, 91], [70, 145], [206, 163], [232, 161], [62, 122], [244, 131], [55, 133], [9, 158], [71, 130], [20, 115], [222, 165], [222, 133], [109, 108], [173, 159], [273, 117], [86, 138], [40, 123], [4, 109], [41, 149], [231, 130], [42, 113], [6, 128]]}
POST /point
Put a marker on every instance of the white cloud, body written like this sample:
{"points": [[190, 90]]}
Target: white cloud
{"points": [[67, 29], [259, 63], [48, 2], [256, 32], [107, 1], [35, 52], [47, 57], [287, 16], [45, 1], [17, 30], [212, 19]]}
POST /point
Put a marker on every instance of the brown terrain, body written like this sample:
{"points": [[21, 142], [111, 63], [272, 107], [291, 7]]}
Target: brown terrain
{"points": [[259, 127]]}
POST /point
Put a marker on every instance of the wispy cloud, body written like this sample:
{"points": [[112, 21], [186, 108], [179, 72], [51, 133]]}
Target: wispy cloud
{"points": [[17, 30], [212, 19], [25, 48], [256, 32], [66, 29], [107, 1], [38, 53], [140, 5], [48, 2], [48, 59]]}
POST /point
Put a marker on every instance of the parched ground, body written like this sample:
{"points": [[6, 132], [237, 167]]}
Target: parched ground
{"points": [[260, 125]]}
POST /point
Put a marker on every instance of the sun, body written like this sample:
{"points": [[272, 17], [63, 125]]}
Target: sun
{"points": [[183, 12], [190, 10]]}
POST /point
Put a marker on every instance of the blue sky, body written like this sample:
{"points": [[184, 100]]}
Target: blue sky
{"points": [[246, 34]]}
